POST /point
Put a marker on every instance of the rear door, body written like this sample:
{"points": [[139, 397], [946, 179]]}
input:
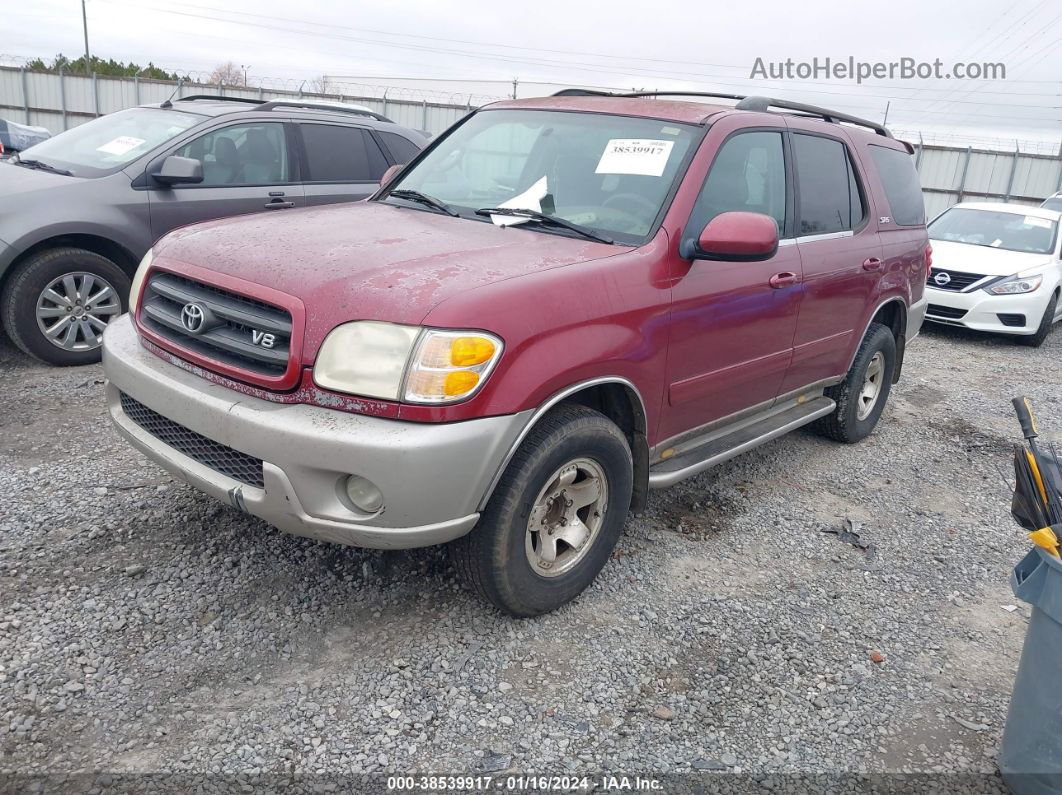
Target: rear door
{"points": [[732, 329], [340, 162], [248, 167], [840, 254]]}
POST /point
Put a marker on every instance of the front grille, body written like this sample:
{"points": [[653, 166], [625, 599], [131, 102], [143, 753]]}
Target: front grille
{"points": [[958, 280], [236, 465], [945, 312], [234, 330], [1011, 320]]}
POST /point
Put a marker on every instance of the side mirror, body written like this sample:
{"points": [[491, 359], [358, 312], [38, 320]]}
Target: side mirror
{"points": [[179, 171], [737, 236], [391, 173]]}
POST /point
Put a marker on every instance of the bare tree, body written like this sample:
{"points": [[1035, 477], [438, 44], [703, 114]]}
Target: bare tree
{"points": [[322, 85], [227, 74]]}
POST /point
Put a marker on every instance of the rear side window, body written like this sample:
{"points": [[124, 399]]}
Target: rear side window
{"points": [[341, 154], [902, 188], [1054, 203], [747, 174], [830, 198], [402, 149]]}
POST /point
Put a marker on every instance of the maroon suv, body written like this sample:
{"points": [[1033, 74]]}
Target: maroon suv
{"points": [[560, 304]]}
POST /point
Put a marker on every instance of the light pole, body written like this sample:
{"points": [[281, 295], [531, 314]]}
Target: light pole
{"points": [[245, 67], [84, 25]]}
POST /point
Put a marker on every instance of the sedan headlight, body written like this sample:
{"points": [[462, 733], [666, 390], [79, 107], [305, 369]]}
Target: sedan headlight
{"points": [[393, 362], [138, 280], [1016, 285]]}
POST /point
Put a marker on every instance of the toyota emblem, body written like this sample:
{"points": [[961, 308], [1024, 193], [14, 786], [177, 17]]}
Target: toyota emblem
{"points": [[942, 278], [192, 318]]}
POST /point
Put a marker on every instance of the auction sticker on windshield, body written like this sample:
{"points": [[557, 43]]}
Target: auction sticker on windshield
{"points": [[120, 145], [635, 156]]}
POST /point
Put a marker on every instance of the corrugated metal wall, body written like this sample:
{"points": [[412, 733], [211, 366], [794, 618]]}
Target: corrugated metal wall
{"points": [[58, 102]]}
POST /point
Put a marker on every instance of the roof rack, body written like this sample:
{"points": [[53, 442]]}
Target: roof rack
{"points": [[222, 97], [755, 103], [331, 106]]}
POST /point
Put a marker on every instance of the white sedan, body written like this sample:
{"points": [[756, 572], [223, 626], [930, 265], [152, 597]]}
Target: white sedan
{"points": [[996, 267]]}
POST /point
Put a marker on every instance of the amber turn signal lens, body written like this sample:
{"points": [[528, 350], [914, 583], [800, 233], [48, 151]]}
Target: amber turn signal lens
{"points": [[469, 351], [460, 383]]}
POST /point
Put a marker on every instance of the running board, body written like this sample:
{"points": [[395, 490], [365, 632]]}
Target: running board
{"points": [[723, 448]]}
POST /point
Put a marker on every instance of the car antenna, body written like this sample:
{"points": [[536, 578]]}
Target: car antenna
{"points": [[169, 100]]}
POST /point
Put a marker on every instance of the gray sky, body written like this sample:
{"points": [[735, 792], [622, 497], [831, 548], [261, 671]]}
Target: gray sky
{"points": [[658, 44]]}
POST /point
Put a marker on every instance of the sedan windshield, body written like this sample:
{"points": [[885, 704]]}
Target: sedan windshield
{"points": [[609, 176], [110, 142], [1029, 234]]}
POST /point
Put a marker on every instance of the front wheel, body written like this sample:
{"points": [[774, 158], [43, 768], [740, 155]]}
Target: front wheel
{"points": [[554, 517], [861, 396], [1037, 339], [57, 303]]}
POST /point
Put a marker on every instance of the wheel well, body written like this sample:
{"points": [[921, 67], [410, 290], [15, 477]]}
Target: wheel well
{"points": [[621, 404], [117, 254], [893, 315]]}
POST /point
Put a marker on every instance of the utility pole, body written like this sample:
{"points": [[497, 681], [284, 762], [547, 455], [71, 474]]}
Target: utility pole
{"points": [[245, 68], [515, 81], [886, 119], [84, 24]]}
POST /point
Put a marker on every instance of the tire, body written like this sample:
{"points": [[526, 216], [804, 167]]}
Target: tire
{"points": [[1037, 339], [26, 287], [495, 560], [845, 423]]}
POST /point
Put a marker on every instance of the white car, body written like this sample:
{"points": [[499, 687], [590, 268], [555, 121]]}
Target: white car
{"points": [[996, 267]]}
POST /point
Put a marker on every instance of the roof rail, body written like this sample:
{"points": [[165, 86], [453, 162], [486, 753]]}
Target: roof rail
{"points": [[331, 106], [222, 97], [756, 103]]}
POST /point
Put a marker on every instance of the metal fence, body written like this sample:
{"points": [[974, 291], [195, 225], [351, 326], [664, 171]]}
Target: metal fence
{"points": [[1023, 174]]}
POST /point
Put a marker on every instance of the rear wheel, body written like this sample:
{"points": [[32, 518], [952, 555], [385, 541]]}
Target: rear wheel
{"points": [[57, 303], [861, 397], [554, 517], [1037, 339]]}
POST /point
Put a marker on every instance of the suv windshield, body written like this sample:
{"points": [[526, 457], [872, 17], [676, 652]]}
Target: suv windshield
{"points": [[1009, 231], [110, 142], [608, 174]]}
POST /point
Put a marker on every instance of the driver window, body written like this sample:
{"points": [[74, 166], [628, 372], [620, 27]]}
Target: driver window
{"points": [[748, 174], [241, 154]]}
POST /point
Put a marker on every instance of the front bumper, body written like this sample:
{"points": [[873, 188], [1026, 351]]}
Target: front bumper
{"points": [[981, 311], [433, 476]]}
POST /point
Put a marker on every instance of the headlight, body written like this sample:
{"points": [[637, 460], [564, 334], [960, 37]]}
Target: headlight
{"points": [[392, 362], [365, 358], [138, 280], [450, 365], [1015, 286]]}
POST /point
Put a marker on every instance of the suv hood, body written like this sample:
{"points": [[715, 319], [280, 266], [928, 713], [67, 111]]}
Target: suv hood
{"points": [[988, 261], [369, 260]]}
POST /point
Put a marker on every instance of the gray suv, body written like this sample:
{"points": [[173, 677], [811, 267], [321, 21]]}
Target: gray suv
{"points": [[78, 211]]}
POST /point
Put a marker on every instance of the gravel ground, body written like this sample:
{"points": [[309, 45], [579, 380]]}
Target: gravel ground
{"points": [[145, 628]]}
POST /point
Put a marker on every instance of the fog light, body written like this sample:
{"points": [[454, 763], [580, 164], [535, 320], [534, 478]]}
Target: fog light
{"points": [[364, 494]]}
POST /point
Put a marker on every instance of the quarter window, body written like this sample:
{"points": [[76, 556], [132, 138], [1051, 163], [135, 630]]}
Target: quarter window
{"points": [[241, 154], [902, 188], [830, 198], [341, 154], [748, 174], [402, 149]]}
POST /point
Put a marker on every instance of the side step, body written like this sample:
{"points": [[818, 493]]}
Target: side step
{"points": [[719, 448]]}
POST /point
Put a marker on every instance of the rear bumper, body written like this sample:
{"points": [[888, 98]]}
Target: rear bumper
{"points": [[981, 311], [432, 476]]}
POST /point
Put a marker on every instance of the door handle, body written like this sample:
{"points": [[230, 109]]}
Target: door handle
{"points": [[872, 264], [784, 279], [278, 204]]}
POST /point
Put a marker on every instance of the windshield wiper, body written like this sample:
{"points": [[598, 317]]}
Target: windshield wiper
{"points": [[425, 199], [43, 166], [542, 218]]}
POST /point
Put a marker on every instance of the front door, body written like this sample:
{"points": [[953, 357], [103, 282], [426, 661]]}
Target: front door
{"points": [[732, 323], [247, 168]]}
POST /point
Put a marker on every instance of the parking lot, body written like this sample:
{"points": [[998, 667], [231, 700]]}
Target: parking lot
{"points": [[146, 628]]}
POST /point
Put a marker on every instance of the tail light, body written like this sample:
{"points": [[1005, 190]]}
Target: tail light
{"points": [[929, 258]]}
